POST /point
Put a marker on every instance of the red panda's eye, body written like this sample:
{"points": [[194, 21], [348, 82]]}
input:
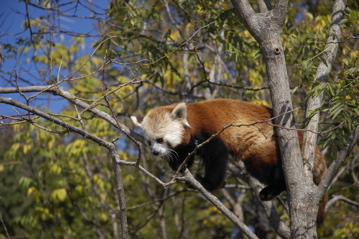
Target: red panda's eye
{"points": [[159, 140]]}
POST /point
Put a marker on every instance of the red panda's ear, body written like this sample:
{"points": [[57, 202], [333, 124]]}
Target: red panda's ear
{"points": [[180, 113], [136, 121]]}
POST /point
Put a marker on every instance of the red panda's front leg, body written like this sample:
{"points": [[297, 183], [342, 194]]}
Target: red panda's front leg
{"points": [[215, 157]]}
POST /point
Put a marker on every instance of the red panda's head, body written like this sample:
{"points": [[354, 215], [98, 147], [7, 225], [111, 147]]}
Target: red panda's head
{"points": [[164, 128]]}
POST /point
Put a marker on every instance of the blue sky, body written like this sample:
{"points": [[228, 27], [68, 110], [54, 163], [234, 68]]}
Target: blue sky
{"points": [[12, 15]]}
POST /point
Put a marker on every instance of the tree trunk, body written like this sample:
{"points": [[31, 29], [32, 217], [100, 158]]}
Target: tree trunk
{"points": [[266, 28]]}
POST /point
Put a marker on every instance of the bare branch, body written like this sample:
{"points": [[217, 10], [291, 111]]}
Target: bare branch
{"points": [[214, 201], [264, 6], [247, 15], [4, 226], [73, 99], [257, 23], [322, 73], [80, 119], [337, 198], [181, 45], [56, 121], [134, 140], [120, 192], [280, 12]]}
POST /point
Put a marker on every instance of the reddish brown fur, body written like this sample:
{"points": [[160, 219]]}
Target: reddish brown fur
{"points": [[212, 116]]}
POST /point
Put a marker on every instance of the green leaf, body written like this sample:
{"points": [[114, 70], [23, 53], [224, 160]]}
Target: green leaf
{"points": [[347, 10], [25, 182], [342, 22], [331, 90]]}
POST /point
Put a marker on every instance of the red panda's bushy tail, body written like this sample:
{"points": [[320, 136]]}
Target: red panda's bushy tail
{"points": [[321, 210]]}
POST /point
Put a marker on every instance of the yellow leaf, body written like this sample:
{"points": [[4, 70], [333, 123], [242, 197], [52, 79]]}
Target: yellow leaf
{"points": [[97, 61], [55, 169], [175, 35], [123, 79], [261, 102], [129, 178], [104, 217], [59, 194], [51, 143], [79, 188], [27, 148], [34, 193], [189, 27], [123, 155], [15, 147], [30, 190], [73, 48]]}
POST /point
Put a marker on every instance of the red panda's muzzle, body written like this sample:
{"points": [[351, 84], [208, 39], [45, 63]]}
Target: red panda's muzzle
{"points": [[155, 152]]}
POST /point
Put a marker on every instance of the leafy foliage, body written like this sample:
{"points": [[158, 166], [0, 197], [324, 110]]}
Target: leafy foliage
{"points": [[144, 54]]}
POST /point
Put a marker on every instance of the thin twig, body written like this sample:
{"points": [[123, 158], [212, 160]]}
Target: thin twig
{"points": [[182, 44], [337, 198], [4, 226], [79, 118]]}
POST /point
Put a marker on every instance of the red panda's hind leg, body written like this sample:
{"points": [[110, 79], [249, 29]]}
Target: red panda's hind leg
{"points": [[269, 174]]}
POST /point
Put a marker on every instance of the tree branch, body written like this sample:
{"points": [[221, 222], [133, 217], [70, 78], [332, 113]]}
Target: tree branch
{"points": [[322, 73], [247, 15], [340, 198], [55, 120], [214, 201], [120, 192], [280, 12], [73, 99], [264, 5], [338, 162], [277, 224]]}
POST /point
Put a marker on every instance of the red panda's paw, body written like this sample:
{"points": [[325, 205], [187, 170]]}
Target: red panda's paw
{"points": [[270, 192], [200, 179], [205, 183]]}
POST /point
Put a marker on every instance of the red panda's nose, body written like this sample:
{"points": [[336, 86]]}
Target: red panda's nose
{"points": [[155, 152]]}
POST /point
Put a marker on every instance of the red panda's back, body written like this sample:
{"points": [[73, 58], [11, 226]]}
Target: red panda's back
{"points": [[250, 133]]}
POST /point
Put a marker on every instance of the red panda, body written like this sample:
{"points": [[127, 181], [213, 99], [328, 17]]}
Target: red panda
{"points": [[173, 131]]}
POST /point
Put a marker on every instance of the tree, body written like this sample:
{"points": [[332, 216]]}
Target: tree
{"points": [[84, 172], [266, 28]]}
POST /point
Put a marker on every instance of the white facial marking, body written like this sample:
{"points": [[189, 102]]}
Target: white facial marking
{"points": [[163, 132]]}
